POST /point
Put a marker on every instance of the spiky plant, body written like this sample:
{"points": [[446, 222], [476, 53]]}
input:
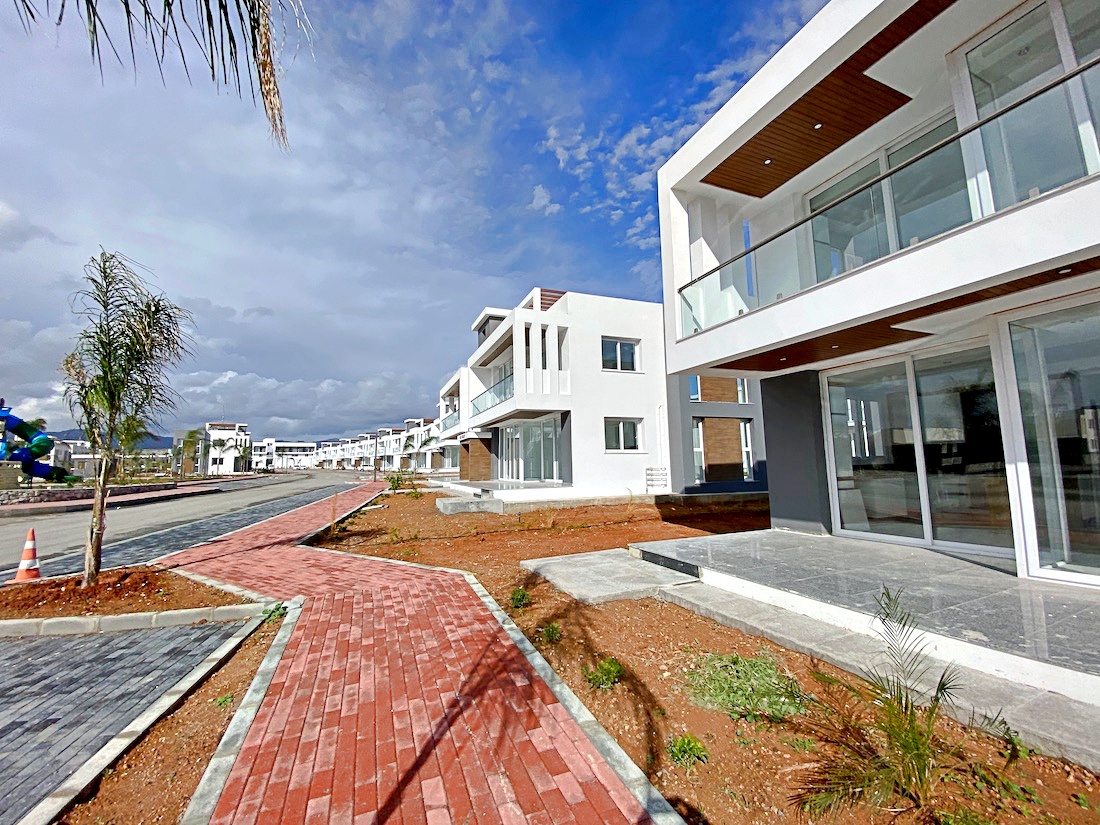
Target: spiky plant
{"points": [[225, 33], [884, 746]]}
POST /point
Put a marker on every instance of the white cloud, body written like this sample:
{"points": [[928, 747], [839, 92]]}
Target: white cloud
{"points": [[542, 202]]}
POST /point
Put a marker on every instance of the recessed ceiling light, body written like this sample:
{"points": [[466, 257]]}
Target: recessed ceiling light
{"points": [[836, 346], [768, 162], [1065, 271], [782, 359], [817, 125]]}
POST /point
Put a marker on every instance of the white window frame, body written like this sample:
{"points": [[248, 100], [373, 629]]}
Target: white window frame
{"points": [[619, 353], [695, 394], [743, 395], [698, 469], [637, 422]]}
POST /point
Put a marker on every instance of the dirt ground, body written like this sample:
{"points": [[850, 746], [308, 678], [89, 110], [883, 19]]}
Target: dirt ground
{"points": [[154, 781], [752, 768], [124, 590]]}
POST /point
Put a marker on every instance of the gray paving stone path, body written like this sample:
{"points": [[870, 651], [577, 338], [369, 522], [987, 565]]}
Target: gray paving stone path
{"points": [[146, 548], [62, 698]]}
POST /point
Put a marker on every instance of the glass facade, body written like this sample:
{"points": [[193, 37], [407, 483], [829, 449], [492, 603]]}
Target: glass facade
{"points": [[1057, 364]]}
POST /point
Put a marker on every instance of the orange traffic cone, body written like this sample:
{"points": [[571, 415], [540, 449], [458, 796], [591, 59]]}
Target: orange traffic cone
{"points": [[28, 565]]}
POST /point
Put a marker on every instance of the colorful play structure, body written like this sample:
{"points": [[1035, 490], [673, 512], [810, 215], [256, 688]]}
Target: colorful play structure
{"points": [[37, 444]]}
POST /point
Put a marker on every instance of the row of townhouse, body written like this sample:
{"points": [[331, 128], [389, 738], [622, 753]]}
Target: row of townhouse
{"points": [[891, 228], [568, 396]]}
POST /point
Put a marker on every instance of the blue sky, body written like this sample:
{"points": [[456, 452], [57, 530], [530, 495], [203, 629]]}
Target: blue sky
{"points": [[443, 157]]}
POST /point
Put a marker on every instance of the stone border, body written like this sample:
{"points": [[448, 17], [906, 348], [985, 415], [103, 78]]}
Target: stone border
{"points": [[82, 625], [242, 592], [209, 791], [66, 793], [658, 808]]}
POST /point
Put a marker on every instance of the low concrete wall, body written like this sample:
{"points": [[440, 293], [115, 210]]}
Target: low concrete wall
{"points": [[469, 504], [48, 493]]}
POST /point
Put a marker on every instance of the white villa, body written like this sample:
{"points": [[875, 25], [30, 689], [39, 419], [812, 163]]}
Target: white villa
{"points": [[228, 446], [563, 397], [893, 228]]}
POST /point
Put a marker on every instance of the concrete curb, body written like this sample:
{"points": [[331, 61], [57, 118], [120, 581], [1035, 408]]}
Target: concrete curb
{"points": [[658, 808], [81, 625], [303, 541], [242, 592], [206, 795], [64, 794]]}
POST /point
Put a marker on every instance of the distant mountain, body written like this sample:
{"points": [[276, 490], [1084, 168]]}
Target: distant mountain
{"points": [[155, 442]]}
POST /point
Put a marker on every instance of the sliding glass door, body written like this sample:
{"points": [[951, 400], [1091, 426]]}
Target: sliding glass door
{"points": [[918, 452]]}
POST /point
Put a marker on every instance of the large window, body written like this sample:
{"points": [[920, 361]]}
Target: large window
{"points": [[620, 354], [1058, 375], [621, 433]]}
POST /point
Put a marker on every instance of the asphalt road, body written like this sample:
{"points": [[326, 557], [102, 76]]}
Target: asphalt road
{"points": [[65, 532]]}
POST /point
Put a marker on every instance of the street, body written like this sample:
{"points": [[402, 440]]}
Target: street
{"points": [[65, 532]]}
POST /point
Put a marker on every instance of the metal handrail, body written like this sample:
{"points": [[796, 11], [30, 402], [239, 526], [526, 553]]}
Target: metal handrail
{"points": [[935, 147]]}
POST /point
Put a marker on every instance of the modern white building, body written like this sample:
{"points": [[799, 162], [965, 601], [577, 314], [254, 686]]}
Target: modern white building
{"points": [[564, 396], [271, 454], [893, 227], [228, 447]]}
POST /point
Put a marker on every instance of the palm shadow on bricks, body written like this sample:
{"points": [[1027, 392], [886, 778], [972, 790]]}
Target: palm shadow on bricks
{"points": [[574, 618], [493, 667]]}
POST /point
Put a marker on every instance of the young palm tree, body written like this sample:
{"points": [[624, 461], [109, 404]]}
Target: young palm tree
{"points": [[115, 378], [224, 32]]}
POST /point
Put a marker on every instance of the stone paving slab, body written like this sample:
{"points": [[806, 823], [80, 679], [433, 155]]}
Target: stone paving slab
{"points": [[400, 698], [144, 549], [605, 575], [62, 698]]}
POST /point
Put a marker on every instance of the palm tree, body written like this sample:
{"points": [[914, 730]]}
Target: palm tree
{"points": [[224, 32], [115, 378]]}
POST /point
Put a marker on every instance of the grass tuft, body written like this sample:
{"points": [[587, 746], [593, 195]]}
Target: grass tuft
{"points": [[687, 751], [744, 687], [606, 674]]}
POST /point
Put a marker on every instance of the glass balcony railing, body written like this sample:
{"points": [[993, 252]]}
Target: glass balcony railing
{"points": [[1043, 141], [501, 391], [449, 421]]}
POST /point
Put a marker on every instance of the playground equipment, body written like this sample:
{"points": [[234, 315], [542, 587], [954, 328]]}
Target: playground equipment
{"points": [[37, 445]]}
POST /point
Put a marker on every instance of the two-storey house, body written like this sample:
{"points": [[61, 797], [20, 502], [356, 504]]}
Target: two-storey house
{"points": [[893, 227]]}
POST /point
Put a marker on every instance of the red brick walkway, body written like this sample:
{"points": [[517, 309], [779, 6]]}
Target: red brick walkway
{"points": [[399, 699]]}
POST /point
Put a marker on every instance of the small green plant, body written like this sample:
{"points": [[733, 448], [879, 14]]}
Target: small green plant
{"points": [[395, 481], [687, 751], [520, 598], [800, 744], [552, 633], [394, 535], [1081, 800], [883, 747], [605, 675], [224, 701], [744, 687], [415, 493], [275, 613]]}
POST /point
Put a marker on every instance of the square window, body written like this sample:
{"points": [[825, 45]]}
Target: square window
{"points": [[619, 355], [621, 434]]}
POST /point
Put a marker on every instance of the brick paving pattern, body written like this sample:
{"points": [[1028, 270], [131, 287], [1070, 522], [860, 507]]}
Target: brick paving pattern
{"points": [[399, 699], [62, 698], [146, 548]]}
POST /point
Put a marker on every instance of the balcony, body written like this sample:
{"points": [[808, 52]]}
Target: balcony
{"points": [[448, 422], [500, 392], [1043, 141]]}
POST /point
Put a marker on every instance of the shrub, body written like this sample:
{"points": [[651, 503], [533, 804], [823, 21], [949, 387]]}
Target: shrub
{"points": [[395, 481], [520, 598], [275, 613], [744, 687], [552, 633], [687, 751], [606, 674], [884, 748]]}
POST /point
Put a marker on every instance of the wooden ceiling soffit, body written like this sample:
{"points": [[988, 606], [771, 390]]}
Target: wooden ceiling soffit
{"points": [[846, 102], [884, 332]]}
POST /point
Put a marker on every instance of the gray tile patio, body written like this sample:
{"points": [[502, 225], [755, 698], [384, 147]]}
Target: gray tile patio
{"points": [[1049, 622], [62, 698]]}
